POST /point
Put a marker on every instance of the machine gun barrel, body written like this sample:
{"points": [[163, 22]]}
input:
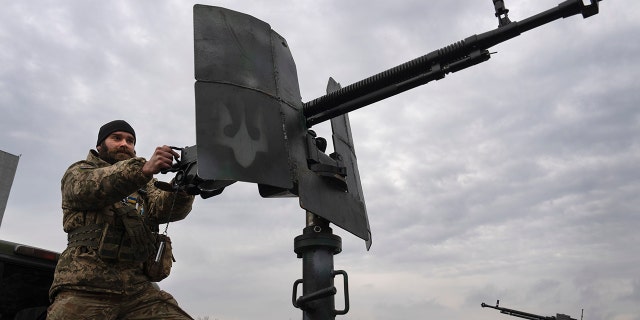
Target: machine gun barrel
{"points": [[434, 65]]}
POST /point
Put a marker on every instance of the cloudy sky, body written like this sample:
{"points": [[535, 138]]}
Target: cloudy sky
{"points": [[516, 179]]}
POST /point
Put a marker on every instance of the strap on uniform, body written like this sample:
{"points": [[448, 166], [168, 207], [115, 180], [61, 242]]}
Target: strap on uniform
{"points": [[87, 236]]}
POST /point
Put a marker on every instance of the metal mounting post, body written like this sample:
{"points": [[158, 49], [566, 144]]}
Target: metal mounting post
{"points": [[316, 246]]}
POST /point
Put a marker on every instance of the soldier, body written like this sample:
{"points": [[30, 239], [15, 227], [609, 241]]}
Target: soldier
{"points": [[112, 212]]}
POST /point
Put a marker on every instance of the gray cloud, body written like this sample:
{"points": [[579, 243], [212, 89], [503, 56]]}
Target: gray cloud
{"points": [[514, 180]]}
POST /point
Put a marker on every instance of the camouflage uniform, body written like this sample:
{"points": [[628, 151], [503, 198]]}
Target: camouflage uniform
{"points": [[94, 193]]}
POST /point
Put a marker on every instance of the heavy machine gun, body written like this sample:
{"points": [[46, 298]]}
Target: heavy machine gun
{"points": [[525, 315], [252, 126]]}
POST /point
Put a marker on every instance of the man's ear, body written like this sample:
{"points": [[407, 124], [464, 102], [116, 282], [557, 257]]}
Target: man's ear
{"points": [[99, 148]]}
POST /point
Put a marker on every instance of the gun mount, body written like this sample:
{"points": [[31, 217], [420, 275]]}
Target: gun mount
{"points": [[186, 176], [252, 126], [525, 315]]}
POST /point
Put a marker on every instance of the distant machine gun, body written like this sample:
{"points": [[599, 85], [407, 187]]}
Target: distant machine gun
{"points": [[525, 315], [252, 126]]}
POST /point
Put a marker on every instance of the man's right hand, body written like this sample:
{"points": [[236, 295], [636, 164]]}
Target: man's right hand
{"points": [[162, 158]]}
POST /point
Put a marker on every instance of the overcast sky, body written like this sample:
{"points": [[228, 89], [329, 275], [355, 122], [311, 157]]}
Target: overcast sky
{"points": [[516, 179]]}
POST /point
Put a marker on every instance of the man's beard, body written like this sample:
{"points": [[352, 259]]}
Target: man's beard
{"points": [[114, 155]]}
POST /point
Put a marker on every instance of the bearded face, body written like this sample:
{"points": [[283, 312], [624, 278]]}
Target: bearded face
{"points": [[115, 153]]}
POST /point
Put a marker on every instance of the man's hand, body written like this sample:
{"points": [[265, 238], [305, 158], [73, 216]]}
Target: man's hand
{"points": [[162, 158]]}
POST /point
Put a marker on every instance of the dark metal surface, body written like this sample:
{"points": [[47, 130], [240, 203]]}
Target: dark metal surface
{"points": [[344, 146], [235, 48], [245, 74], [316, 246], [8, 166], [233, 139], [320, 196]]}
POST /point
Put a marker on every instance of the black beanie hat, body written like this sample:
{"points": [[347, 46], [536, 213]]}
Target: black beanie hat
{"points": [[113, 126]]}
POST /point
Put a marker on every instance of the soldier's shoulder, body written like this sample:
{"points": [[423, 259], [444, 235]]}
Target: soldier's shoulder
{"points": [[91, 162], [81, 165]]}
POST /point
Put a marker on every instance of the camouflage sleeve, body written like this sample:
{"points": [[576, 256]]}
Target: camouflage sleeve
{"points": [[162, 206], [87, 187]]}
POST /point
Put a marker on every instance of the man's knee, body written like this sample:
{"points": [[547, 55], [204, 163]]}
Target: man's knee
{"points": [[156, 303], [79, 305]]}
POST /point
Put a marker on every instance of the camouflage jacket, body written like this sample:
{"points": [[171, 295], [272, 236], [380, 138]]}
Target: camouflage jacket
{"points": [[91, 190]]}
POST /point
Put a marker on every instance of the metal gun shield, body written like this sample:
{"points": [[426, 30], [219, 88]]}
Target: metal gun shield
{"points": [[343, 145], [245, 74], [318, 195], [249, 121]]}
